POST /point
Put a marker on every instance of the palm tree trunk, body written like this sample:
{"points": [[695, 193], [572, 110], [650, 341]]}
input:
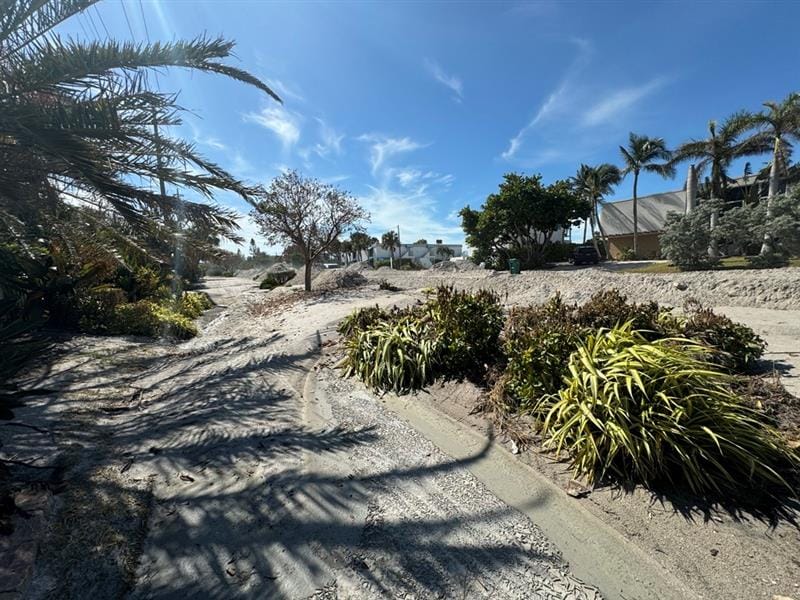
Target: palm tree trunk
{"points": [[585, 224], [592, 218], [635, 215], [713, 249], [603, 235], [766, 246]]}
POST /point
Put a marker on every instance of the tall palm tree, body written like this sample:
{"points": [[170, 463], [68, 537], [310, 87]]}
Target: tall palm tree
{"points": [[390, 240], [779, 126], [642, 154], [79, 126], [723, 145], [593, 184]]}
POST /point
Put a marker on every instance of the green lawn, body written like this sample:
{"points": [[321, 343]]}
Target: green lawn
{"points": [[729, 263]]}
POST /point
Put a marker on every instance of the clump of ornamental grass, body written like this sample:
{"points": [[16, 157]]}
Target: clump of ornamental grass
{"points": [[650, 412], [397, 355], [453, 334]]}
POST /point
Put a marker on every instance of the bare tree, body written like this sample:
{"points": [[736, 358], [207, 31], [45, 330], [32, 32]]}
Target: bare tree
{"points": [[307, 213]]}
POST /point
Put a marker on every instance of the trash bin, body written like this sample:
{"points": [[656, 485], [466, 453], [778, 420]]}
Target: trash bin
{"points": [[513, 266]]}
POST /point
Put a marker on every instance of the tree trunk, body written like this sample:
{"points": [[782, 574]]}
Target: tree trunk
{"points": [[585, 225], [713, 250], [603, 235], [308, 275], [391, 258], [635, 215], [766, 246], [594, 237]]}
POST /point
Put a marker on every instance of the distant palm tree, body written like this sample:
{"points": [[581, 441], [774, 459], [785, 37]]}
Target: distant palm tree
{"points": [[361, 242], [640, 155], [593, 184], [723, 145], [778, 126], [390, 240]]}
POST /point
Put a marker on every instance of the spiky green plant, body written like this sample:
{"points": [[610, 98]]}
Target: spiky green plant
{"points": [[651, 412], [394, 355]]}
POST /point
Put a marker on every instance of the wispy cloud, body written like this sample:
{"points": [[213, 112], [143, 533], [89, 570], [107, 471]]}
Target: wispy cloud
{"points": [[329, 144], [382, 148], [281, 122], [452, 82], [285, 91], [556, 102], [412, 178], [619, 102], [415, 213]]}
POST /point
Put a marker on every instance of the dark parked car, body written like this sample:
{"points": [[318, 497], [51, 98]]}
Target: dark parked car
{"points": [[585, 255]]}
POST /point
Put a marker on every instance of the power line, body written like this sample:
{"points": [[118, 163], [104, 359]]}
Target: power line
{"points": [[91, 22], [102, 22], [127, 20], [144, 21], [80, 22]]}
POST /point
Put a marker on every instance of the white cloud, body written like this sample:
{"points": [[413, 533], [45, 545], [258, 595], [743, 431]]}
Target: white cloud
{"points": [[383, 148], [329, 144], [285, 91], [283, 123], [409, 177], [413, 212], [557, 101], [452, 82], [619, 102]]}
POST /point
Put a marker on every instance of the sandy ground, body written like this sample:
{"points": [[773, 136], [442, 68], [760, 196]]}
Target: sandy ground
{"points": [[218, 468]]}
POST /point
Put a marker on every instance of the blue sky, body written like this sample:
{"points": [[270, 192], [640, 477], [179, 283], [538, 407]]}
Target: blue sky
{"points": [[419, 108]]}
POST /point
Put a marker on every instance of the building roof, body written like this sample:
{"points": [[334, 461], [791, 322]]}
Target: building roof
{"points": [[617, 217]]}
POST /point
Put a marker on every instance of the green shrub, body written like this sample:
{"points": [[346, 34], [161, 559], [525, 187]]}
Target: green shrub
{"points": [[609, 308], [193, 304], [468, 325], [396, 355], [276, 279], [538, 341], [384, 284], [97, 307], [453, 334], [361, 319], [145, 283], [655, 412], [687, 237], [149, 318], [741, 346]]}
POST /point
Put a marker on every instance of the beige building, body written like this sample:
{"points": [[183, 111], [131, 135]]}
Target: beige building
{"points": [[617, 221]]}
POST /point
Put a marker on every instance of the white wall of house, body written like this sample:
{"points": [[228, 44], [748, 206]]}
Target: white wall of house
{"points": [[424, 255]]}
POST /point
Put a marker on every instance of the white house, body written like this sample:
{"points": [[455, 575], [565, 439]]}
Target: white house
{"points": [[425, 255]]}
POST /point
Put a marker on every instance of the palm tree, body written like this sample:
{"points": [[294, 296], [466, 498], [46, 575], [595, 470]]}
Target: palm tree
{"points": [[80, 126], [778, 126], [593, 184], [390, 240], [640, 155], [723, 145], [361, 242]]}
